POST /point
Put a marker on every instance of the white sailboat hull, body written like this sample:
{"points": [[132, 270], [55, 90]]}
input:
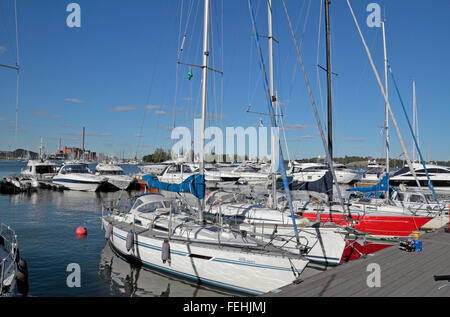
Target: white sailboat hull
{"points": [[236, 269]]}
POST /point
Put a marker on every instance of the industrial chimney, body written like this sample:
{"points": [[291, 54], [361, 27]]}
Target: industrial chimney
{"points": [[82, 144]]}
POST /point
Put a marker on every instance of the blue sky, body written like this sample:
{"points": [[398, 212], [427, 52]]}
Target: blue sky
{"points": [[117, 74]]}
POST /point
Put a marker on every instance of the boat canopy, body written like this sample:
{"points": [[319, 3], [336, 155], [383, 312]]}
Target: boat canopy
{"points": [[194, 184], [378, 189]]}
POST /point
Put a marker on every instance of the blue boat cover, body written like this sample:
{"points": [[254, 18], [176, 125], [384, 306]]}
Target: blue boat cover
{"points": [[194, 184], [377, 189]]}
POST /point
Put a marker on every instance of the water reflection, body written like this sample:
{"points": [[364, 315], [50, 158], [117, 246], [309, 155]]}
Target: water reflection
{"points": [[130, 279]]}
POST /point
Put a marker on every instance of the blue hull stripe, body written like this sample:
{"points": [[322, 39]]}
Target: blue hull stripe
{"points": [[196, 278], [64, 180]]}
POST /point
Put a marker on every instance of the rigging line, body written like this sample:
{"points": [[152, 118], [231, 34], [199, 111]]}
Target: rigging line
{"points": [[430, 183], [177, 67], [316, 113], [8, 35], [150, 91], [319, 84], [17, 79], [386, 99], [189, 53], [284, 136], [222, 62], [294, 74], [251, 58], [273, 121]]}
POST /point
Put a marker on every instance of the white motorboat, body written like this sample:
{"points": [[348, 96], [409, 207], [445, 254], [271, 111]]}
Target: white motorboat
{"points": [[439, 176], [154, 169], [374, 172], [310, 172], [176, 173], [40, 170], [115, 175], [77, 176], [159, 234]]}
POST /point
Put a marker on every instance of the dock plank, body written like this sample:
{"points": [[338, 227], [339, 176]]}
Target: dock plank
{"points": [[402, 274]]}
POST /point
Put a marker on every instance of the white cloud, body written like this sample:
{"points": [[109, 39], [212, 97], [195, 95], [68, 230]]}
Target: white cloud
{"points": [[150, 107], [74, 100], [122, 109]]}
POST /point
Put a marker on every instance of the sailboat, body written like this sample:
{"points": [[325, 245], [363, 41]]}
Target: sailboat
{"points": [[320, 244], [168, 239], [377, 220]]}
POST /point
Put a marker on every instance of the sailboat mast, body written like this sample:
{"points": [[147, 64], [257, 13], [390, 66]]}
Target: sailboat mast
{"points": [[386, 119], [204, 94], [329, 101], [414, 119], [273, 98]]}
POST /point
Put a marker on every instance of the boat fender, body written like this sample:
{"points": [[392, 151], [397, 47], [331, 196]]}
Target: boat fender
{"points": [[130, 240], [109, 229], [17, 255], [165, 252], [22, 277], [81, 231]]}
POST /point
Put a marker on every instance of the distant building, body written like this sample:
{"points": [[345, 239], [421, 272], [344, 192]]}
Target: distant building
{"points": [[74, 153]]}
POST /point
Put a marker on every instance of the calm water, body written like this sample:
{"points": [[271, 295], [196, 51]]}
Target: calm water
{"points": [[45, 222]]}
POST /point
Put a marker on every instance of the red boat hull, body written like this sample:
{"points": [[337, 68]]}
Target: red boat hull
{"points": [[354, 250], [375, 225]]}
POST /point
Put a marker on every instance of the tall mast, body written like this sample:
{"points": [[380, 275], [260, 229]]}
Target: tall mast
{"points": [[204, 95], [329, 102], [414, 120], [386, 119], [273, 98]]}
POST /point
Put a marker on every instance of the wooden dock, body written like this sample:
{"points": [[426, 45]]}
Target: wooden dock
{"points": [[402, 274]]}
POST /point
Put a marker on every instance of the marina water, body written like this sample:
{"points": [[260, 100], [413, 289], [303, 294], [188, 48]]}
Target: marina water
{"points": [[45, 222]]}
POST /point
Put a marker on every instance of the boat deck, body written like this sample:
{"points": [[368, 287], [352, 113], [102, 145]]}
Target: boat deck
{"points": [[254, 246], [402, 274]]}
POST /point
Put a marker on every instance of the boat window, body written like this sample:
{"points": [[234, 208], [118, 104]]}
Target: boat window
{"points": [[137, 203], [75, 169], [437, 170], [174, 169], [416, 199], [401, 197], [44, 169], [187, 169], [402, 171], [111, 172], [150, 207]]}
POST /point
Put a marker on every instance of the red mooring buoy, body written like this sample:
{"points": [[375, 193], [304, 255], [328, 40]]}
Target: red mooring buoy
{"points": [[81, 232]]}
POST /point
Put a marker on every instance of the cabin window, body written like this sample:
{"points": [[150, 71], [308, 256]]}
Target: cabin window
{"points": [[43, 169], [416, 199], [137, 203], [187, 169], [150, 207], [174, 169]]}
